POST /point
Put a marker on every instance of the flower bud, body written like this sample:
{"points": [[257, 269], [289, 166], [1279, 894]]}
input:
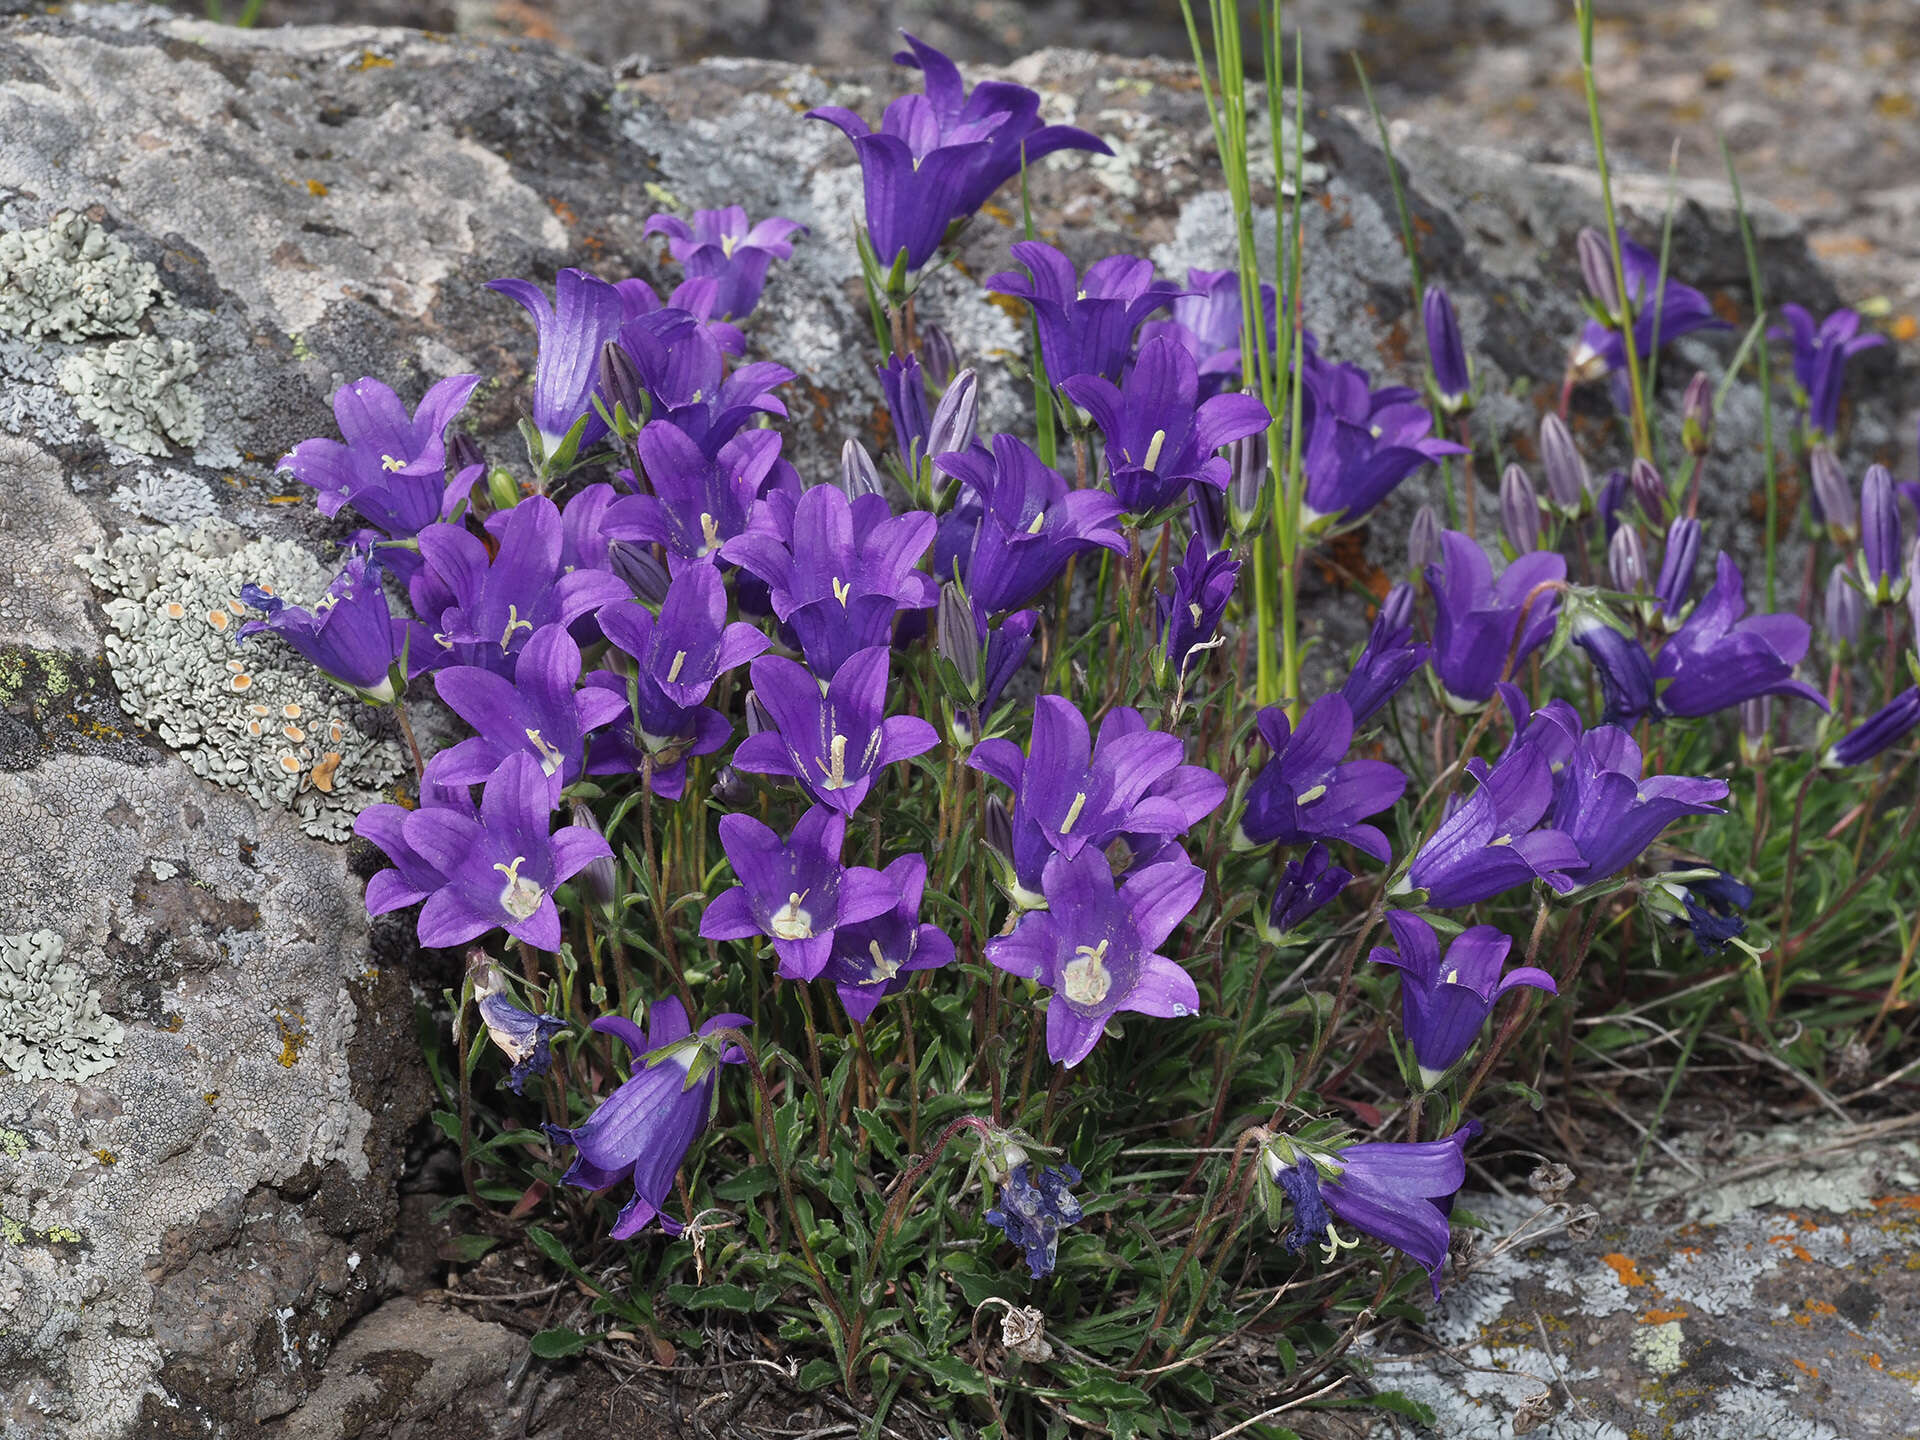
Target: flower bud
{"points": [[1423, 540], [620, 388], [1696, 416], [1396, 610], [957, 642], [1519, 511], [1845, 611], [1567, 479], [1627, 560], [599, 879], [937, 356], [1596, 270], [1880, 535], [1913, 602], [731, 788], [639, 570], [503, 491], [1649, 491], [1756, 727], [954, 418], [858, 474], [1452, 377], [757, 717], [463, 452], [1207, 512], [1677, 560], [1833, 498], [1249, 460], [996, 828]]}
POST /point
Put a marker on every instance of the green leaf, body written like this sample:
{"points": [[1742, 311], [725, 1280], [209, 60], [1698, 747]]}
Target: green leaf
{"points": [[559, 1344], [954, 1373], [464, 1249], [550, 1246], [712, 1297], [449, 1124], [818, 1375]]}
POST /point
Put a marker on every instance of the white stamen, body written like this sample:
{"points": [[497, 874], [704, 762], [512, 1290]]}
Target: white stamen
{"points": [[709, 533], [790, 922], [519, 897], [514, 622], [1073, 812], [841, 589], [1153, 449], [835, 768], [1086, 980], [550, 758], [673, 671]]}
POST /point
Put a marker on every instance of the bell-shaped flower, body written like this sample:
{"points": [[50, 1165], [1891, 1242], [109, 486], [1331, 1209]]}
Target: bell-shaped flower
{"points": [[1014, 536], [1611, 811], [524, 1038], [1661, 315], [873, 959], [835, 743], [412, 877], [480, 610], [1490, 842], [500, 868], [389, 466], [687, 647], [795, 892], [543, 712], [1714, 908], [1206, 321], [1035, 1203], [1444, 1003], [1880, 731], [1621, 662], [1476, 617], [1718, 658], [1396, 1192], [1390, 658], [1190, 617], [584, 314], [1160, 436], [699, 502], [1093, 947], [642, 1132], [721, 246], [1310, 791], [696, 296], [350, 635], [1361, 442], [1306, 887], [1086, 322], [659, 740], [679, 362], [1820, 356]]}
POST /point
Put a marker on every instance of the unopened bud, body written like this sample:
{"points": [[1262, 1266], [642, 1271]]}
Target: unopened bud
{"points": [[996, 828], [731, 788], [639, 569], [1423, 540], [598, 878], [1627, 560], [1519, 511], [1833, 503], [1596, 270], [1696, 422], [1248, 458], [1880, 535], [503, 491], [620, 388], [1649, 491], [954, 418], [1207, 510], [956, 641], [463, 453], [757, 717], [1567, 478], [937, 356], [1846, 613], [1756, 728], [858, 474], [1677, 561]]}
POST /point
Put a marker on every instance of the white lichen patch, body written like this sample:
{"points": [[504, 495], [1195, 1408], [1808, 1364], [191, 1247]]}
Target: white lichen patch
{"points": [[167, 497], [51, 1024], [70, 280], [255, 716], [1660, 1347], [134, 392]]}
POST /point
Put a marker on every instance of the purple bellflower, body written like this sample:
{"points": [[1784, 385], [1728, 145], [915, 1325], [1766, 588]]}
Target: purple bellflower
{"points": [[1310, 791], [1880, 538], [1657, 319], [350, 635], [412, 877], [1677, 561], [1034, 1204], [584, 314], [523, 1037], [1625, 671], [719, 245], [1612, 813], [1306, 886], [698, 502], [660, 741], [1476, 617], [1190, 617], [1206, 321], [1489, 844], [642, 1131], [500, 868], [1820, 356], [1717, 658], [480, 610], [1093, 947], [391, 467], [1086, 323], [678, 361], [1452, 375], [1361, 442], [1006, 647], [795, 892], [1444, 1003], [1389, 659], [1161, 437], [872, 959], [1399, 1193], [1880, 731], [1023, 522], [904, 385], [1714, 909], [835, 743], [543, 711]]}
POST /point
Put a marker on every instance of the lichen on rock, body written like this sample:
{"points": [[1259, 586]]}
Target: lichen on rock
{"points": [[71, 280], [134, 392], [253, 716], [51, 1024]]}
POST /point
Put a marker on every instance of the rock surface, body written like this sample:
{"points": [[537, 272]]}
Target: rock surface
{"points": [[188, 1233]]}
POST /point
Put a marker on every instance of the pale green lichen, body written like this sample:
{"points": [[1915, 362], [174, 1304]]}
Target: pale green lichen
{"points": [[134, 392], [1658, 1347], [167, 497], [254, 716], [51, 1024], [13, 1144], [70, 280]]}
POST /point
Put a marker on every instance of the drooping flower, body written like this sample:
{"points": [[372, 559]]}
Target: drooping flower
{"points": [[1626, 674], [501, 867], [1034, 1205], [1399, 1193], [480, 610], [1717, 658], [350, 635], [1820, 356], [1476, 617], [584, 314], [1490, 843], [1880, 731], [1309, 790], [835, 743], [524, 1038], [1445, 1003], [720, 246], [1306, 886], [1093, 947], [1161, 437], [1390, 658], [1614, 813], [642, 1132], [698, 502], [543, 712], [1011, 539], [389, 466], [1714, 908], [794, 891], [873, 959], [1190, 616], [1086, 322], [1452, 375], [1659, 319], [1361, 442]]}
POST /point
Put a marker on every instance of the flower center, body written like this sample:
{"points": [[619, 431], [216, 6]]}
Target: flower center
{"points": [[790, 922], [883, 968], [550, 758], [727, 242], [1086, 980], [1073, 812], [835, 767], [673, 670], [1038, 520], [1307, 797], [389, 464], [514, 622], [519, 897]]}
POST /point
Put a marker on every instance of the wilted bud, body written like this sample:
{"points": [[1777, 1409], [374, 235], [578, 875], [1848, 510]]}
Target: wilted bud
{"points": [[1249, 460], [1845, 611], [1583, 1223], [1550, 1180], [639, 570], [1627, 560], [1567, 479], [1833, 498], [1756, 728], [1452, 377], [503, 491], [1596, 270], [1423, 540], [731, 788], [1696, 416], [858, 474], [1880, 535], [956, 640], [1519, 511], [1649, 491], [620, 388], [599, 878], [937, 356], [954, 418], [463, 452], [1677, 561]]}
